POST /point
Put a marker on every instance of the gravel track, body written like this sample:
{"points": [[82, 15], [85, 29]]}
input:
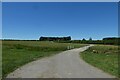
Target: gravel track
{"points": [[67, 64]]}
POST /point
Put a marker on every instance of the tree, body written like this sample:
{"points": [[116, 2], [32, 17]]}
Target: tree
{"points": [[83, 39], [90, 39]]}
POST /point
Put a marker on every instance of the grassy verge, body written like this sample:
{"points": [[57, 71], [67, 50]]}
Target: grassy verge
{"points": [[104, 57], [18, 53]]}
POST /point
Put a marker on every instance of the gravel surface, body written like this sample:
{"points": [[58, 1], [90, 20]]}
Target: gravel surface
{"points": [[67, 64]]}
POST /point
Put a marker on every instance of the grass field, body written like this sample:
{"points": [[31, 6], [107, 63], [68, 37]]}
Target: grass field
{"points": [[0, 59], [104, 57], [18, 53]]}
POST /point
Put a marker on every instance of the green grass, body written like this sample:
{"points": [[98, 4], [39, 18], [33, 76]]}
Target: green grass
{"points": [[18, 53], [0, 59], [104, 57]]}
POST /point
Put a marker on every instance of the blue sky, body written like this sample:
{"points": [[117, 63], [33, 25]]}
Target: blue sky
{"points": [[0, 20], [25, 20]]}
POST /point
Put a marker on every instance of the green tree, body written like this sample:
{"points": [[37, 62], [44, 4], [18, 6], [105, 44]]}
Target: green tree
{"points": [[90, 39]]}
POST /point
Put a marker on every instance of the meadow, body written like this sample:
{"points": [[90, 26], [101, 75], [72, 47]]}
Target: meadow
{"points": [[18, 53], [0, 59], [104, 57]]}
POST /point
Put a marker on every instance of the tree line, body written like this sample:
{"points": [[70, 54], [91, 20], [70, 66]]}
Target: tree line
{"points": [[108, 40], [55, 38]]}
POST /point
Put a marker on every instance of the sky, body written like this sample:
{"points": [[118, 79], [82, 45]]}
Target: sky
{"points": [[30, 20], [0, 20]]}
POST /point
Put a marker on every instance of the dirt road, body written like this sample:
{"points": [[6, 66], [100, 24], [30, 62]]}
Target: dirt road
{"points": [[67, 64]]}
